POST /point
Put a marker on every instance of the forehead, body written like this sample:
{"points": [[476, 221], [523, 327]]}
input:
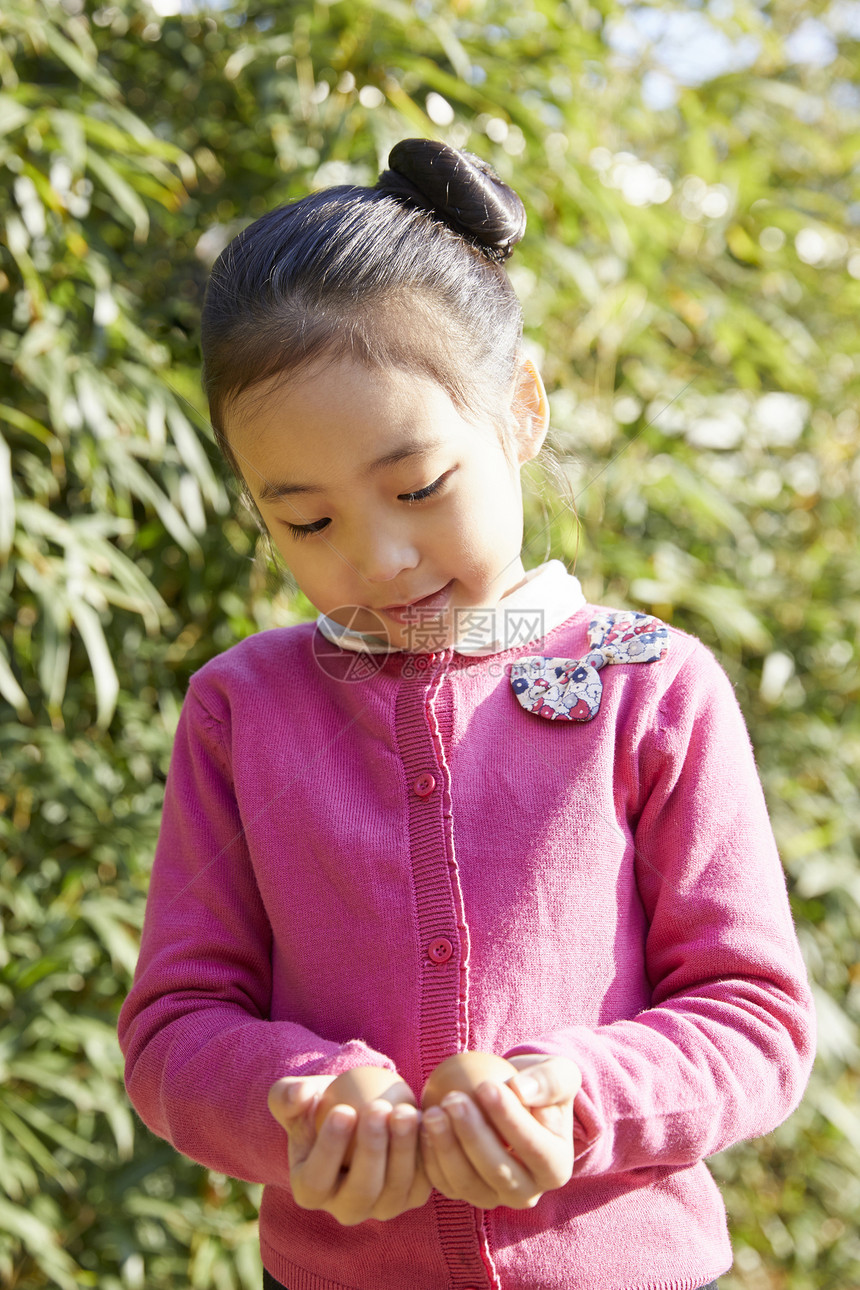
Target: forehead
{"points": [[339, 419], [398, 337], [332, 394]]}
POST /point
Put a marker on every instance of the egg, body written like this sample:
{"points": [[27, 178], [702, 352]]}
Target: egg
{"points": [[359, 1086], [462, 1073]]}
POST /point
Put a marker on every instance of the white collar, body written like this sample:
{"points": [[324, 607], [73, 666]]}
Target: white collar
{"points": [[548, 596]]}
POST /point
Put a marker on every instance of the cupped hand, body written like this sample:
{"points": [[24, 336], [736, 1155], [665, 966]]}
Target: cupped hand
{"points": [[385, 1178], [526, 1149]]}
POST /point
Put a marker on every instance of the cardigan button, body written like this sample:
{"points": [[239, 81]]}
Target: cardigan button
{"points": [[440, 950], [424, 785]]}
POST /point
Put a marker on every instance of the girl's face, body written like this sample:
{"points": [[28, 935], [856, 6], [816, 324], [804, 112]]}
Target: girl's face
{"points": [[377, 493]]}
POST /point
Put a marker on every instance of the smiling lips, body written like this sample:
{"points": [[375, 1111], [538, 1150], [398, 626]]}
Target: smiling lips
{"points": [[437, 600]]}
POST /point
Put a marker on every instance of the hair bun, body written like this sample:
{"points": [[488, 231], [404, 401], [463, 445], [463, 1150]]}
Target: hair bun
{"points": [[459, 187]]}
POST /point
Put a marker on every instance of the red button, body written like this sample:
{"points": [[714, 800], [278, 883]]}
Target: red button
{"points": [[440, 950], [424, 785]]}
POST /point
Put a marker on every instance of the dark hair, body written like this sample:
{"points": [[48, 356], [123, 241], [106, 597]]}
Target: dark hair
{"points": [[408, 274]]}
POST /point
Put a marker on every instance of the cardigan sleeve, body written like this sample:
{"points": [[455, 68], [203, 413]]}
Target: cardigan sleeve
{"points": [[200, 1052], [724, 1051]]}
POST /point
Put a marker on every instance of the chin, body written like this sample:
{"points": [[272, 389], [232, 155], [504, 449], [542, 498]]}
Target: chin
{"points": [[434, 648], [359, 620]]}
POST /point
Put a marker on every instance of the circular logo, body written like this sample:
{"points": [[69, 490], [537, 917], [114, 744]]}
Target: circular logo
{"points": [[345, 664]]}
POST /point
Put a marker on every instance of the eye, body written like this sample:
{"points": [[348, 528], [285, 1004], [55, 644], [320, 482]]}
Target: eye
{"points": [[308, 530], [425, 492]]}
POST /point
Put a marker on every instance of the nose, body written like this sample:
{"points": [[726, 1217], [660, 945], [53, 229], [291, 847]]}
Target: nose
{"points": [[382, 555]]}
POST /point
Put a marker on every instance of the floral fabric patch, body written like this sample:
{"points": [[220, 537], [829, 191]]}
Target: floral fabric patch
{"points": [[569, 689]]}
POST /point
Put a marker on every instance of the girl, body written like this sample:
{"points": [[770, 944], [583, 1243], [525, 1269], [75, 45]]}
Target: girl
{"points": [[462, 810]]}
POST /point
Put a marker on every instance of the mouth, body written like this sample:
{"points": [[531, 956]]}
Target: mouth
{"points": [[436, 600]]}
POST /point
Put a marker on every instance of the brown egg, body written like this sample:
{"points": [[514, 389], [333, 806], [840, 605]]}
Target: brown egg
{"points": [[357, 1087], [463, 1073]]}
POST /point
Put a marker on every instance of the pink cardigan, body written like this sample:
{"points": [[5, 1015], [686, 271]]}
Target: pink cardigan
{"points": [[389, 869]]}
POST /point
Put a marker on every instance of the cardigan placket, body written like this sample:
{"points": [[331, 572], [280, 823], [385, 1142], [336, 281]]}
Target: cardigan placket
{"points": [[443, 937]]}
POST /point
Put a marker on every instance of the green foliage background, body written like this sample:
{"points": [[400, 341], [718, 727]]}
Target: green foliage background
{"points": [[691, 283]]}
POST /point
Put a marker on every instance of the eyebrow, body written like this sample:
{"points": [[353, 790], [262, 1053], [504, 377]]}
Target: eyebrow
{"points": [[274, 491]]}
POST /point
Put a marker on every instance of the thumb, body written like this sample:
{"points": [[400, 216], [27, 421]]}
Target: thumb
{"points": [[547, 1082], [288, 1098], [294, 1112]]}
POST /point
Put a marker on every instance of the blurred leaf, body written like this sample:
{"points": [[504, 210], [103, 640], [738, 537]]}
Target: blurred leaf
{"points": [[40, 1242]]}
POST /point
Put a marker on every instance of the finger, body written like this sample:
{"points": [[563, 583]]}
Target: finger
{"points": [[549, 1081], [301, 1136], [486, 1153], [288, 1111], [290, 1097], [419, 1192], [429, 1158], [405, 1184], [448, 1166], [545, 1151], [402, 1150], [365, 1180], [285, 1100], [318, 1177], [437, 1144]]}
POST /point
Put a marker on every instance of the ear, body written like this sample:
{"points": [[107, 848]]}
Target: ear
{"points": [[530, 407]]}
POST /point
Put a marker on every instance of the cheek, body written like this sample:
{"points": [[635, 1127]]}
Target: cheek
{"points": [[321, 574], [301, 568], [499, 503], [486, 525], [286, 548]]}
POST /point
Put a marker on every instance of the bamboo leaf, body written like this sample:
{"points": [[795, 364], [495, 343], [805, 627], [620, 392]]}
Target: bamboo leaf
{"points": [[86, 68], [121, 1121], [70, 129], [47, 1072], [96, 1037], [189, 447], [12, 114], [123, 194], [148, 491], [7, 501], [104, 673], [153, 146], [56, 652], [39, 1119], [41, 1244], [18, 1178], [9, 687], [113, 933], [33, 1145], [29, 425]]}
